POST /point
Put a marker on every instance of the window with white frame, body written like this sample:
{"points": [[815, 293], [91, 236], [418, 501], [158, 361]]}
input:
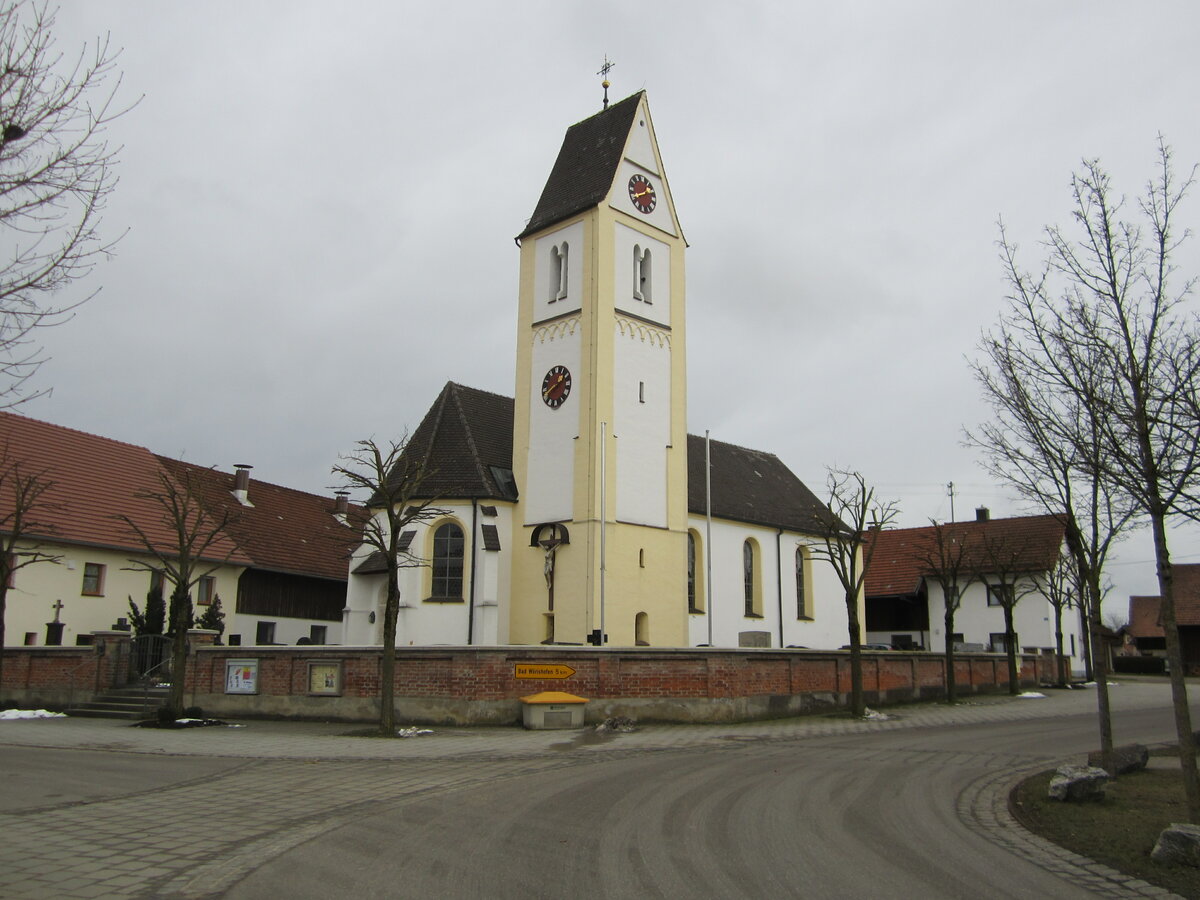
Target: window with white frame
{"points": [[93, 579], [447, 562]]}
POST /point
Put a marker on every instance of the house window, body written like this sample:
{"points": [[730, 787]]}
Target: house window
{"points": [[642, 275], [558, 272], [93, 580], [999, 641], [695, 585], [641, 630], [205, 588], [956, 638], [265, 633], [316, 634], [751, 580], [31, 639], [1000, 594], [1072, 645], [802, 610], [447, 562], [157, 582]]}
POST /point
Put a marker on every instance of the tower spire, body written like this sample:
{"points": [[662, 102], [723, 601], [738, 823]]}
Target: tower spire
{"points": [[604, 74]]}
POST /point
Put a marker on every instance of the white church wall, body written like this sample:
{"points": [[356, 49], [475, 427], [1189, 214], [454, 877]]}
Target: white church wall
{"points": [[547, 490], [641, 421]]}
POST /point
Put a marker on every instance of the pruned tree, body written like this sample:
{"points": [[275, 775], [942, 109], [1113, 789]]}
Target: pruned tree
{"points": [[1103, 325], [395, 482], [56, 172], [945, 560], [845, 543], [187, 539], [1063, 591], [1003, 570], [24, 503]]}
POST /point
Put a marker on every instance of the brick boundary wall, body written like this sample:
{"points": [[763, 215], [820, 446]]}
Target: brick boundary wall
{"points": [[479, 685]]}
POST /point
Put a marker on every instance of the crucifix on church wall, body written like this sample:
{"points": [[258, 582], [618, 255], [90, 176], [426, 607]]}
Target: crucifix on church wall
{"points": [[54, 630]]}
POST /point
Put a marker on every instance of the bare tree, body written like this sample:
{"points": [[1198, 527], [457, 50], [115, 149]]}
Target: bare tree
{"points": [[1003, 569], [1063, 591], [854, 511], [187, 539], [1106, 326], [23, 504], [945, 560], [395, 482], [56, 172]]}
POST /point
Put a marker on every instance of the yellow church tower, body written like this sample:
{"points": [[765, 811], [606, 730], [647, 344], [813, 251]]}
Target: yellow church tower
{"points": [[599, 430]]}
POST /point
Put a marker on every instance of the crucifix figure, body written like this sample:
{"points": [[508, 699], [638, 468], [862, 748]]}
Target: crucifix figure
{"points": [[550, 545]]}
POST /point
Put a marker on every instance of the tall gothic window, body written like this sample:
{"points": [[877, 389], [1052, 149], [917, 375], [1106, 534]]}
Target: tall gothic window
{"points": [[748, 584], [691, 574], [448, 562], [802, 611]]}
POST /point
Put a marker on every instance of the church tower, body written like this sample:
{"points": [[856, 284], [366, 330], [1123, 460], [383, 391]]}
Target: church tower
{"points": [[599, 431]]}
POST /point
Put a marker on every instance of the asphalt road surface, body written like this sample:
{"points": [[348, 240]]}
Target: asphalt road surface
{"points": [[818, 807]]}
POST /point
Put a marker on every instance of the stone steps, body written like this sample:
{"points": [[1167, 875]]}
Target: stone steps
{"points": [[123, 703]]}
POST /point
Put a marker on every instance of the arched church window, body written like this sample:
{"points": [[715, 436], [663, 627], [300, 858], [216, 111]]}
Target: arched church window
{"points": [[643, 281], [695, 587], [749, 581], [558, 272], [447, 562], [802, 610], [641, 630]]}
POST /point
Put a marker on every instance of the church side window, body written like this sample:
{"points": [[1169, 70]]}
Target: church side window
{"points": [[751, 581], [447, 562], [695, 585], [802, 609], [558, 272], [642, 275]]}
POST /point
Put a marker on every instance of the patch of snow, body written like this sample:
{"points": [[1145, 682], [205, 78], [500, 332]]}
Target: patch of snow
{"points": [[412, 731], [30, 714], [1032, 695], [874, 716]]}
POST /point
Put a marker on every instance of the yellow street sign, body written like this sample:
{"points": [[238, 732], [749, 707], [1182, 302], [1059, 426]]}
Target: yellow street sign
{"points": [[542, 670]]}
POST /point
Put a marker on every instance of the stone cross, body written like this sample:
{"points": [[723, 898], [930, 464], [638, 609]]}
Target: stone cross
{"points": [[57, 606]]}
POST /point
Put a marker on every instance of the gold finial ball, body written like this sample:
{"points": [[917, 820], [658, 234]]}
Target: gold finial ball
{"points": [[605, 83]]}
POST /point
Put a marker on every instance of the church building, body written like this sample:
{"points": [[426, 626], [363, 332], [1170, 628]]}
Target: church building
{"points": [[580, 510]]}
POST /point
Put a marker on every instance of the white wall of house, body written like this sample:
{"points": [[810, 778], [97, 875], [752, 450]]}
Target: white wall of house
{"points": [[825, 626], [36, 588], [1033, 620]]}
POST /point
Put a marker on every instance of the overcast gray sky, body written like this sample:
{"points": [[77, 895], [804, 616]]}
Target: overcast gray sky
{"points": [[321, 202]]}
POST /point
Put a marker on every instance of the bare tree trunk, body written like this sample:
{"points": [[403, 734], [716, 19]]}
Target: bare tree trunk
{"points": [[387, 662], [1010, 648], [181, 607], [951, 684], [1058, 647], [858, 704], [1179, 699], [3, 609]]}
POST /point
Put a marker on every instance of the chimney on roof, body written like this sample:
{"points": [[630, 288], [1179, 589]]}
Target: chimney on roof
{"points": [[341, 503], [982, 514], [241, 483]]}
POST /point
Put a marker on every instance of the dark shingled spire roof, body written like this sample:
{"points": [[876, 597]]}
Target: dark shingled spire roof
{"points": [[586, 165], [464, 436]]}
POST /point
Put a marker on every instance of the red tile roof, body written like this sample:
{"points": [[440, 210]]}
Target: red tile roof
{"points": [[1144, 619], [1032, 543], [1187, 593], [96, 479]]}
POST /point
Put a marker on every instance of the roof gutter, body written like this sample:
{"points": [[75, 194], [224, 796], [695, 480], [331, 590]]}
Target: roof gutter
{"points": [[779, 580], [474, 560]]}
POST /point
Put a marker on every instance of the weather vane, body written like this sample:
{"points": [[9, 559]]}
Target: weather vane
{"points": [[604, 71]]}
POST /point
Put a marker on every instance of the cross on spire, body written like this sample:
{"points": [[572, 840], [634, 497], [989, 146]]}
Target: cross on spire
{"points": [[604, 74]]}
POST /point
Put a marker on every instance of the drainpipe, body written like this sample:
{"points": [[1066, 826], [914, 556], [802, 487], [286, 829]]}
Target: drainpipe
{"points": [[708, 534], [779, 580], [474, 560]]}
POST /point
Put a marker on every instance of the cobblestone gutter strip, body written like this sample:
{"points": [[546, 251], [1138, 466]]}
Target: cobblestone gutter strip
{"points": [[983, 806]]}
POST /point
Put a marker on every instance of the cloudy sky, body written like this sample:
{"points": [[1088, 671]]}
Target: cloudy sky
{"points": [[321, 201]]}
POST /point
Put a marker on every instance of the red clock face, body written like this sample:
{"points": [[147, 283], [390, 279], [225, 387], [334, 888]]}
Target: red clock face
{"points": [[556, 387], [641, 192]]}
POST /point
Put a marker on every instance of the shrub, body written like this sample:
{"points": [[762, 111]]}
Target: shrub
{"points": [[1140, 665]]}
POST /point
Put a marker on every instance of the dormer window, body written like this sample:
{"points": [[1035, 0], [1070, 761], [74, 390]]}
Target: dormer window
{"points": [[558, 272], [642, 280]]}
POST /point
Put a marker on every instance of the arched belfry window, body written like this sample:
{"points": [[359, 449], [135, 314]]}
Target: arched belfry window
{"points": [[447, 562], [643, 281], [558, 272]]}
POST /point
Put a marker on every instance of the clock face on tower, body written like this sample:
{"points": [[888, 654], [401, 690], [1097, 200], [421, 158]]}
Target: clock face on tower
{"points": [[556, 387], [641, 192]]}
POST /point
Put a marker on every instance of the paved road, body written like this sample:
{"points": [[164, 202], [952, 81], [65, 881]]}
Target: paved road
{"points": [[912, 806]]}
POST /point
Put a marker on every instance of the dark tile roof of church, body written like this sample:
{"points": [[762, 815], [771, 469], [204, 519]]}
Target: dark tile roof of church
{"points": [[469, 431], [753, 487], [586, 165], [466, 434]]}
